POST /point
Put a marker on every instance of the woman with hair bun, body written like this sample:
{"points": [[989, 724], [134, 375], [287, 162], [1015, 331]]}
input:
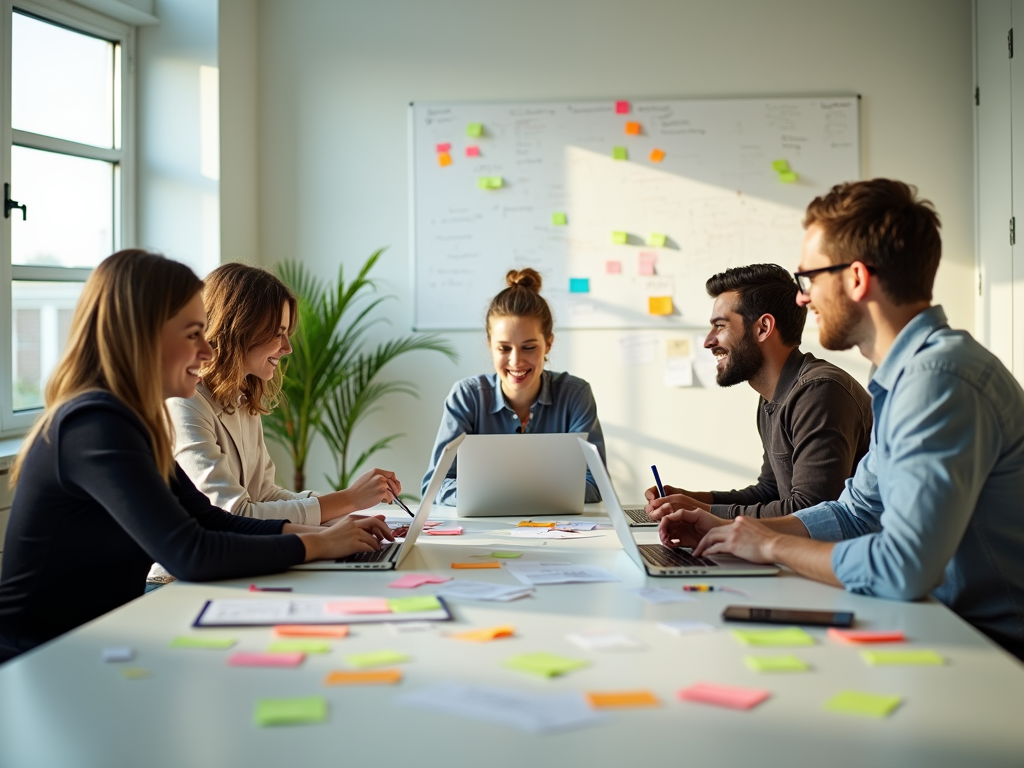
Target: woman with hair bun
{"points": [[520, 396]]}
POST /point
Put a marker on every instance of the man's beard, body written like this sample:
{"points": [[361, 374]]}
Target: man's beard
{"points": [[744, 361], [836, 326]]}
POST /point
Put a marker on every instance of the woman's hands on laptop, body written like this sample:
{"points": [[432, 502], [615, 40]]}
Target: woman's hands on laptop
{"points": [[346, 537]]}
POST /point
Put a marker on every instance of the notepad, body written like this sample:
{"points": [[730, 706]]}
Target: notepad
{"points": [[773, 637], [485, 635], [376, 658], [902, 658], [775, 664], [544, 664], [307, 709], [724, 695], [863, 704], [368, 677], [622, 699]]}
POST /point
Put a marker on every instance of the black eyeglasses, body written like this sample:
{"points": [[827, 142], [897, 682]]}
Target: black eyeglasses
{"points": [[803, 279]]}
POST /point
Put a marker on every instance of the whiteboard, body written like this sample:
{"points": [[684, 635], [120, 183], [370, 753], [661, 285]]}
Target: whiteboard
{"points": [[716, 195]]}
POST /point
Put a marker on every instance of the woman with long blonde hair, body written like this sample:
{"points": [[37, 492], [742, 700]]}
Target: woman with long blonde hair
{"points": [[97, 488]]}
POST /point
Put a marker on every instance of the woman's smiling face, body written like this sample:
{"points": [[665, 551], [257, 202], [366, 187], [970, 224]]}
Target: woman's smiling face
{"points": [[518, 349]]}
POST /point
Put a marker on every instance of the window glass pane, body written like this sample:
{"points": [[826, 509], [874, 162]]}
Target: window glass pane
{"points": [[70, 209], [62, 82], [41, 318]]}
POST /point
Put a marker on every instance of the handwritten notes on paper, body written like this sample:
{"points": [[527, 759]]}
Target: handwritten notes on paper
{"points": [[637, 348], [538, 574], [481, 590]]}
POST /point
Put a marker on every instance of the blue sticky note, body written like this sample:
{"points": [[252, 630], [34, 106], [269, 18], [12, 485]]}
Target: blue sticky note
{"points": [[579, 285]]}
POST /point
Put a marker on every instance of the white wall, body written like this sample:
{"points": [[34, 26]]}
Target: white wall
{"points": [[334, 81]]}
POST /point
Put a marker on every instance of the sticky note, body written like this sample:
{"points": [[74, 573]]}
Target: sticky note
{"points": [[376, 658], [789, 177], [368, 677], [497, 182], [135, 673], [902, 658], [310, 630], [544, 664], [775, 664], [579, 285], [619, 238], [472, 151], [773, 637], [559, 219], [506, 554], [659, 305], [476, 565], [685, 627], [633, 129], [475, 129], [619, 153], [284, 659], [613, 267], [863, 704], [657, 239], [415, 604], [490, 182], [412, 580], [651, 256], [780, 166], [485, 635], [857, 636], [215, 643], [657, 155], [621, 107], [299, 645], [446, 532], [444, 159], [724, 695], [645, 269], [306, 709], [621, 699], [446, 147], [118, 654], [532, 524], [356, 607]]}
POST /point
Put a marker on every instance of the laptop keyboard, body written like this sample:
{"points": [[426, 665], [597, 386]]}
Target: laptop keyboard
{"points": [[659, 555], [638, 515], [369, 557]]}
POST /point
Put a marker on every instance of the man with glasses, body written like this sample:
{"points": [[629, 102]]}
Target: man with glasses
{"points": [[935, 507], [814, 419]]}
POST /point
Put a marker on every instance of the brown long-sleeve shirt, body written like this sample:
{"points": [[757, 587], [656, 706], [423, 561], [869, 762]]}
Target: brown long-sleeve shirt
{"points": [[815, 430]]}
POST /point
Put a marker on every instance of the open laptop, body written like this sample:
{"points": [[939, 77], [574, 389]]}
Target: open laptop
{"points": [[391, 554], [521, 475], [657, 559]]}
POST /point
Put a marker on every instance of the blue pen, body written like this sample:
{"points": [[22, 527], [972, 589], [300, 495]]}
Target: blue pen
{"points": [[657, 480]]}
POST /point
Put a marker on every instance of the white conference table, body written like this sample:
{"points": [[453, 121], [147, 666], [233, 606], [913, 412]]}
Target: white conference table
{"points": [[61, 705]]}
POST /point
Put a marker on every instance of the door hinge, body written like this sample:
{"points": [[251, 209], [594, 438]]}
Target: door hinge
{"points": [[1013, 230], [1009, 41]]}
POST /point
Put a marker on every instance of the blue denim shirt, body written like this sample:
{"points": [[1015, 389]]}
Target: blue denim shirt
{"points": [[477, 406], [937, 504]]}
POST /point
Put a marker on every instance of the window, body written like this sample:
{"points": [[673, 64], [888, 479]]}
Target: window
{"points": [[66, 157]]}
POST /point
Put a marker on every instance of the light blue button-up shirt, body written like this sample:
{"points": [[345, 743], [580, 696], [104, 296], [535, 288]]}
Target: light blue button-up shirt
{"points": [[937, 504], [477, 406]]}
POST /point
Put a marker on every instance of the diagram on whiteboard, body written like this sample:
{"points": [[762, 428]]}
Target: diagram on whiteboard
{"points": [[626, 208]]}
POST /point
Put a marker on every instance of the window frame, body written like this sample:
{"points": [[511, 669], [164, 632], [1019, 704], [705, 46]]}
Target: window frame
{"points": [[14, 423]]}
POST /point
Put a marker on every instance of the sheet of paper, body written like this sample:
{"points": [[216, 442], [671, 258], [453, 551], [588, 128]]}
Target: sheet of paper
{"points": [[475, 566], [358, 606], [119, 653], [544, 664], [559, 219], [863, 704], [406, 627], [310, 630], [613, 267], [622, 699], [413, 580], [680, 347], [619, 153], [637, 348], [417, 604], [548, 533], [678, 371], [247, 659], [307, 709], [773, 637], [538, 574], [300, 645], [485, 635], [902, 658], [621, 107], [657, 155], [604, 640], [530, 712], [472, 151], [657, 239], [376, 658], [576, 525], [659, 306], [481, 590], [775, 664], [704, 364], [367, 677], [861, 636], [686, 627], [579, 285], [214, 643], [445, 531], [658, 596], [724, 695], [295, 610], [474, 130]]}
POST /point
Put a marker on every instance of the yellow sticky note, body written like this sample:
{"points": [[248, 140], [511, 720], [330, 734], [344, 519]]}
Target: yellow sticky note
{"points": [[475, 129], [659, 305], [367, 677], [497, 182], [864, 704], [531, 524], [789, 177], [559, 219], [544, 664], [780, 166], [619, 153], [469, 566], [214, 643], [632, 128], [620, 238], [657, 155], [902, 658], [376, 659], [305, 646], [773, 637], [622, 699], [775, 663], [657, 239], [307, 709], [443, 159], [485, 635]]}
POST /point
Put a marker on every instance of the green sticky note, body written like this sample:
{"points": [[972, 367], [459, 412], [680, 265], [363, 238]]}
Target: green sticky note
{"points": [[506, 554], [789, 177], [307, 709], [544, 664], [218, 643], [775, 664], [376, 659], [484, 182], [780, 166], [559, 219], [415, 603], [902, 658], [864, 704], [305, 646], [475, 129], [619, 238], [619, 153], [657, 239], [773, 637], [496, 182]]}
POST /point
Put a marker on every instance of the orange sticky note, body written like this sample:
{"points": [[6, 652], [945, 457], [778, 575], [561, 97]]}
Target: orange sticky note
{"points": [[657, 155], [476, 565], [659, 305], [310, 630], [485, 635], [444, 159], [633, 129], [622, 699], [531, 524], [857, 636], [364, 677]]}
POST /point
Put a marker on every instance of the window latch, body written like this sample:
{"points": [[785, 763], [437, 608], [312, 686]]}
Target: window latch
{"points": [[10, 205]]}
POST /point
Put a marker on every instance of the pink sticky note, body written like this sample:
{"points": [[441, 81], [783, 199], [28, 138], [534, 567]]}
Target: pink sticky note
{"points": [[613, 267], [648, 256], [724, 695], [369, 605], [433, 523], [446, 147], [446, 532], [855, 636], [621, 107], [472, 151], [249, 659], [645, 269], [412, 580]]}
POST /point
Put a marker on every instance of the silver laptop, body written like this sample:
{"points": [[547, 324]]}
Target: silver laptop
{"points": [[391, 554], [657, 559], [637, 517], [521, 475]]}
